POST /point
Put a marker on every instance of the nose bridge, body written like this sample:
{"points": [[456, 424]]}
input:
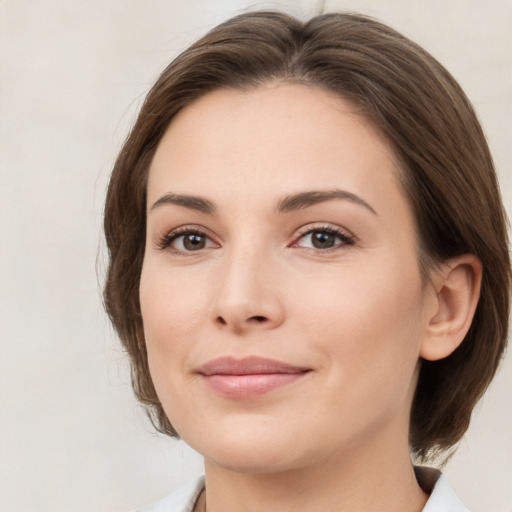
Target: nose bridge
{"points": [[247, 293]]}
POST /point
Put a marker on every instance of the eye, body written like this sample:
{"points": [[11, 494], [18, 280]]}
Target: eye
{"points": [[186, 240], [324, 238]]}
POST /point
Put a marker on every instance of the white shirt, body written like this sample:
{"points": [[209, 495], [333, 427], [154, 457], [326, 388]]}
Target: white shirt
{"points": [[442, 498]]}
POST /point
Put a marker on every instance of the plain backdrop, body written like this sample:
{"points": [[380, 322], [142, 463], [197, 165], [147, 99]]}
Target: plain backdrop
{"points": [[72, 75]]}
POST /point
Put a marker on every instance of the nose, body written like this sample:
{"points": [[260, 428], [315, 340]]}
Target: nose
{"points": [[248, 296]]}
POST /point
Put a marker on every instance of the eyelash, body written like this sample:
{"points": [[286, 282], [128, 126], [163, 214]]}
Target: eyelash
{"points": [[346, 239], [166, 241]]}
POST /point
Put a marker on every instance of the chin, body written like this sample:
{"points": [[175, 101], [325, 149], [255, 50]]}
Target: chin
{"points": [[249, 451], [253, 461]]}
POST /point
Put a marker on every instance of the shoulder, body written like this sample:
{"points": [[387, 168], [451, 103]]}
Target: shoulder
{"points": [[181, 500], [442, 496]]}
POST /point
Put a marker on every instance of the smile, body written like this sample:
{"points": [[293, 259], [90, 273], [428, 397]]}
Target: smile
{"points": [[250, 377]]}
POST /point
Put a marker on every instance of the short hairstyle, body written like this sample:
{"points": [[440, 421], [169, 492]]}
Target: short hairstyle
{"points": [[446, 170]]}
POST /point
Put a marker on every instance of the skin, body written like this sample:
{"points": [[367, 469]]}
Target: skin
{"points": [[357, 314]]}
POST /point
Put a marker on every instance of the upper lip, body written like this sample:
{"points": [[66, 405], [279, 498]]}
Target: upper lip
{"points": [[252, 365]]}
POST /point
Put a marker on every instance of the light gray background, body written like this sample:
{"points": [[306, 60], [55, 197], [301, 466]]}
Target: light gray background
{"points": [[72, 75]]}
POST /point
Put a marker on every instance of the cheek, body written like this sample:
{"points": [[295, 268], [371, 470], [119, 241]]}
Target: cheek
{"points": [[367, 322], [172, 308], [171, 304], [171, 311]]}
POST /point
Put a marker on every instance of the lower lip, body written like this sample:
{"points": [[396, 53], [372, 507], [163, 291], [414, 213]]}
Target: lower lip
{"points": [[241, 387]]}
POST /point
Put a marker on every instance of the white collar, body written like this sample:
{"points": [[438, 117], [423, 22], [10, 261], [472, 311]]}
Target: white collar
{"points": [[443, 498], [182, 500]]}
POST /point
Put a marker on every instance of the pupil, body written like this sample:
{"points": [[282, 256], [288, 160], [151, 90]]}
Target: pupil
{"points": [[322, 240], [194, 242]]}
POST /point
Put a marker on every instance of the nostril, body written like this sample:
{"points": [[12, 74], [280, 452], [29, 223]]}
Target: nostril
{"points": [[221, 320], [258, 319]]}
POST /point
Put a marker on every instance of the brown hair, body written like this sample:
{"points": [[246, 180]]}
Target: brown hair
{"points": [[447, 171]]}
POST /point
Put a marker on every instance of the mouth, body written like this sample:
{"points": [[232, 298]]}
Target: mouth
{"points": [[249, 377]]}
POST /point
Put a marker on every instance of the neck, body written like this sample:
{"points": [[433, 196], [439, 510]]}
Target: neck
{"points": [[355, 480]]}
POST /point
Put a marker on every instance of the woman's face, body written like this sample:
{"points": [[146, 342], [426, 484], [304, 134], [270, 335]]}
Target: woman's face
{"points": [[277, 229]]}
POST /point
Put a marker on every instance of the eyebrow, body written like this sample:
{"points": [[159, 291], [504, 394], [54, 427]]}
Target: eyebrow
{"points": [[306, 199], [287, 204], [192, 202]]}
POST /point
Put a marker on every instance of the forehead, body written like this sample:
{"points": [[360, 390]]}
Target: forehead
{"points": [[277, 136]]}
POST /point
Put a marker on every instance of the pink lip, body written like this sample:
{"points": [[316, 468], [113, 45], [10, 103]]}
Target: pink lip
{"points": [[249, 377]]}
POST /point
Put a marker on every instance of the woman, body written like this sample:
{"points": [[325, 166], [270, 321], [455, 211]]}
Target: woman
{"points": [[308, 265]]}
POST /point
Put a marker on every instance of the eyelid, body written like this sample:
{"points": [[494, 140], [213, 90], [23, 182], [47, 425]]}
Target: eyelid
{"points": [[346, 237], [164, 242]]}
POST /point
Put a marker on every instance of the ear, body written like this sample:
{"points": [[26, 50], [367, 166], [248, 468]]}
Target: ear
{"points": [[457, 288]]}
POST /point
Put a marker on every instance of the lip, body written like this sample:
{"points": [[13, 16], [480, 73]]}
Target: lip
{"points": [[249, 377]]}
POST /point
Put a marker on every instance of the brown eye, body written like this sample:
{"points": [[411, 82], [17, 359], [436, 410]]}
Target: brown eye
{"points": [[186, 241], [193, 242], [322, 240]]}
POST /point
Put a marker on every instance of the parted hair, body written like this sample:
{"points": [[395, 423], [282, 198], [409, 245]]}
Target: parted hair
{"points": [[445, 165]]}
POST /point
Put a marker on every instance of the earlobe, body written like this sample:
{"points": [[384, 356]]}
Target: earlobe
{"points": [[457, 287]]}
